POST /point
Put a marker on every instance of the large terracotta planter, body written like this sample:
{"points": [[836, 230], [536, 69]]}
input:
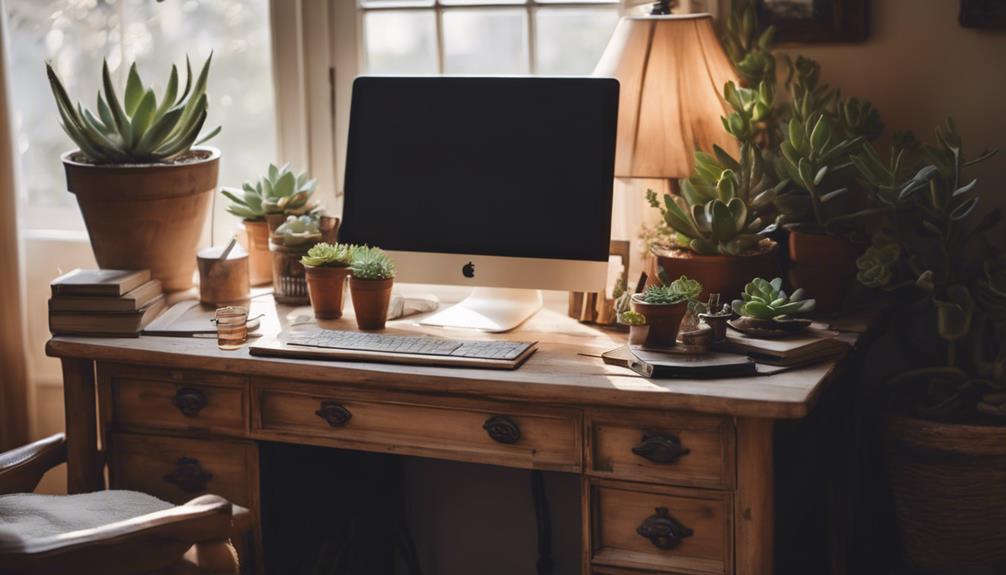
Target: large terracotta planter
{"points": [[370, 301], [326, 287], [949, 484], [146, 216], [662, 319], [824, 266], [725, 275], [259, 260]]}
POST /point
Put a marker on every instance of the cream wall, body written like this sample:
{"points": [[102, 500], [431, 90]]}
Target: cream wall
{"points": [[918, 66]]}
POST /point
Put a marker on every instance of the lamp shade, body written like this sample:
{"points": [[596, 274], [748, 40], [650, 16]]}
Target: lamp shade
{"points": [[672, 70]]}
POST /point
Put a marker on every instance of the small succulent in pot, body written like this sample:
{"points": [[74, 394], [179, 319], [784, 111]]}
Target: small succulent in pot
{"points": [[638, 328], [327, 267], [664, 305], [280, 192], [765, 305], [373, 274], [298, 231]]}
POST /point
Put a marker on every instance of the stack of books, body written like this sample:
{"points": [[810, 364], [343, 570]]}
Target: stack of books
{"points": [[117, 303]]}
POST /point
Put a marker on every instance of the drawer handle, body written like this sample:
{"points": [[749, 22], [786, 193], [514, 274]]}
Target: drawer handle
{"points": [[664, 531], [502, 429], [189, 401], [660, 447], [335, 414], [189, 475]]}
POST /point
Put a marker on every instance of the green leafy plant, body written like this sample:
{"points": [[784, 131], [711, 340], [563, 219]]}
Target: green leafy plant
{"points": [[631, 318], [763, 299], [719, 209], [936, 247], [298, 230], [329, 255], [371, 263], [680, 290], [139, 130], [279, 191], [749, 47]]}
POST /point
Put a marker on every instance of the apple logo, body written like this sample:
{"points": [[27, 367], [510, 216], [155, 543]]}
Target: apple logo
{"points": [[468, 270]]}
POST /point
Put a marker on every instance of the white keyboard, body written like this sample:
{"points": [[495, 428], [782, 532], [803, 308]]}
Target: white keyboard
{"points": [[408, 344]]}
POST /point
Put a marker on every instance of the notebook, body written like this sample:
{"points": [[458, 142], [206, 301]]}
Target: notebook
{"points": [[105, 324], [801, 349], [106, 283], [131, 301]]}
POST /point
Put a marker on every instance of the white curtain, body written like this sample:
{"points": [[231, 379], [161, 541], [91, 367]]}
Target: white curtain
{"points": [[13, 359]]}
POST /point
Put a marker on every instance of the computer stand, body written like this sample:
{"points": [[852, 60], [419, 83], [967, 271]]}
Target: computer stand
{"points": [[489, 309]]}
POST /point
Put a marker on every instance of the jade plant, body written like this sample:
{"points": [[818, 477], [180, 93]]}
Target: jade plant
{"points": [[371, 263], [329, 255], [766, 300], [142, 128], [298, 230], [279, 191], [935, 259]]}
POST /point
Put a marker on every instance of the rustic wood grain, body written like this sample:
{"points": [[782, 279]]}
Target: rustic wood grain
{"points": [[84, 464], [753, 513]]}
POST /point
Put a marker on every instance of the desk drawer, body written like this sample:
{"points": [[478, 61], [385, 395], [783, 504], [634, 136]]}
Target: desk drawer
{"points": [[627, 521], [675, 448], [144, 399], [178, 469], [457, 429]]}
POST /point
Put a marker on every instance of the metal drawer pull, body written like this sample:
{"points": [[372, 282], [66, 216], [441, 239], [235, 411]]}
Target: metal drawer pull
{"points": [[189, 475], [189, 401], [334, 413], [660, 447], [664, 531], [502, 429]]}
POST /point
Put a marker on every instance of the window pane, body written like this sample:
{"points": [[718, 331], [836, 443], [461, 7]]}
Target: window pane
{"points": [[480, 2], [401, 42], [570, 40], [394, 3], [485, 41], [75, 35]]}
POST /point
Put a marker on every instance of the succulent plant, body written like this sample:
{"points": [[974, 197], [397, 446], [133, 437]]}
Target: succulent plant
{"points": [[748, 46], [371, 263], [139, 130], [860, 119], [808, 96], [719, 209], [754, 117], [680, 290], [631, 318], [298, 230], [329, 255], [280, 191], [766, 300]]}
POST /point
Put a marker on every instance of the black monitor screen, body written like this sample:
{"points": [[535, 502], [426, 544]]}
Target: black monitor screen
{"points": [[519, 167]]}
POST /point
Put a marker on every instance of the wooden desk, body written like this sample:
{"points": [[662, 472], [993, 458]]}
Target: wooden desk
{"points": [[179, 417]]}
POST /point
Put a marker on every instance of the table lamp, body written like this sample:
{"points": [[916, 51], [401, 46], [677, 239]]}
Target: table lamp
{"points": [[672, 70]]}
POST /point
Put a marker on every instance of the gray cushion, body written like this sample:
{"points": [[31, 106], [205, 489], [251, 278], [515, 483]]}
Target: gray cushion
{"points": [[28, 516]]}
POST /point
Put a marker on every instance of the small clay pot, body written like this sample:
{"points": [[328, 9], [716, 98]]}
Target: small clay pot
{"points": [[370, 301], [725, 275], [257, 246], [325, 287], [663, 320], [824, 266], [638, 334]]}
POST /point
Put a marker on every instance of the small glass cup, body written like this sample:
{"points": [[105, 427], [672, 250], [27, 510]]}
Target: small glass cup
{"points": [[232, 327]]}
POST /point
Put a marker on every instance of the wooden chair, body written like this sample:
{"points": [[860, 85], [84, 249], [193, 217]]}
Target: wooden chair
{"points": [[145, 535]]}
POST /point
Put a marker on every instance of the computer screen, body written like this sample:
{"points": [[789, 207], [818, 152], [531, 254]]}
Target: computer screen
{"points": [[516, 167]]}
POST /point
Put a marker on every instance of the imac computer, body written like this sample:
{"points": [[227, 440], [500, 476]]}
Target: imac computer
{"points": [[501, 184]]}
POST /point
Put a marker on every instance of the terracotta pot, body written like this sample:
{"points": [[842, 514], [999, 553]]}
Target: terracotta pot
{"points": [[824, 266], [257, 245], [326, 287], [370, 301], [289, 283], [662, 319], [223, 283], [725, 275], [638, 334], [948, 482], [146, 216]]}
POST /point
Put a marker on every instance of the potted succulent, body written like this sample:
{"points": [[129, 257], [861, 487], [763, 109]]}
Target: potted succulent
{"points": [[370, 286], [142, 185], [765, 308], [663, 306], [264, 206], [946, 416], [327, 267], [288, 245]]}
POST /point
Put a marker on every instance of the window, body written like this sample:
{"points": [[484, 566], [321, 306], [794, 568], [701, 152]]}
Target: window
{"points": [[557, 37], [75, 35]]}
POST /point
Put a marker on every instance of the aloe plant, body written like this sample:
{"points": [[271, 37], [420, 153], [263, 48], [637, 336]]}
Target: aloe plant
{"points": [[371, 263], [280, 191], [766, 300], [720, 208], [142, 128]]}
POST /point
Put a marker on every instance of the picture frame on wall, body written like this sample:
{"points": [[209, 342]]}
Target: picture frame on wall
{"points": [[816, 21], [983, 14]]}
